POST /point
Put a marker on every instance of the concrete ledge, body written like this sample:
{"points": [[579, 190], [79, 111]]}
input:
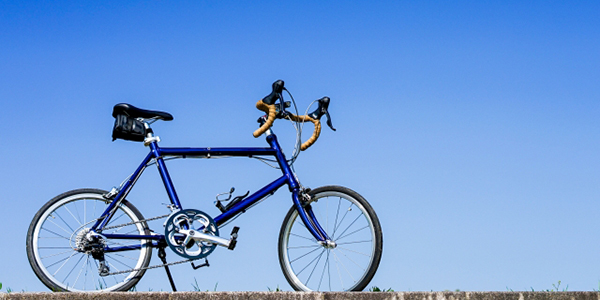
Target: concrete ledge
{"points": [[310, 296]]}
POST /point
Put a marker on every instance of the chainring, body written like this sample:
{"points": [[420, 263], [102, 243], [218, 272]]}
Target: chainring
{"points": [[190, 219]]}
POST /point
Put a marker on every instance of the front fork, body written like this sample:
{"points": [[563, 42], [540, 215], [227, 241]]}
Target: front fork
{"points": [[301, 200], [300, 196]]}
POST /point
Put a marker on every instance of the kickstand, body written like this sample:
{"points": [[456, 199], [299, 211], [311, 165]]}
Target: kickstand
{"points": [[163, 257]]}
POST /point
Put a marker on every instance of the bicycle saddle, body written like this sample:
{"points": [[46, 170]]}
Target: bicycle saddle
{"points": [[134, 112]]}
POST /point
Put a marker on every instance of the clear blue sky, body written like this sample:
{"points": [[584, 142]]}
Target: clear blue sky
{"points": [[472, 127]]}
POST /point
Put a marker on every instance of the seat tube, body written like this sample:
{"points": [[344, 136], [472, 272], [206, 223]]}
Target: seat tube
{"points": [[164, 174]]}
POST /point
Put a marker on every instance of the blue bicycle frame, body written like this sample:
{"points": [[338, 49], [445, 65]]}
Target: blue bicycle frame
{"points": [[157, 154]]}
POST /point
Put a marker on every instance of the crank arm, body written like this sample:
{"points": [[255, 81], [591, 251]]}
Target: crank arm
{"points": [[202, 237]]}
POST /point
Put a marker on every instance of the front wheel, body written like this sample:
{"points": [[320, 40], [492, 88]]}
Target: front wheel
{"points": [[350, 262]]}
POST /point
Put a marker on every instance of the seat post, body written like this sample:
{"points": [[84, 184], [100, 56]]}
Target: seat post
{"points": [[150, 137]]}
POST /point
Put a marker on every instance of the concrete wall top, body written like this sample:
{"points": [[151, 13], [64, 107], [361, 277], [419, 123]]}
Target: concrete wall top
{"points": [[309, 296]]}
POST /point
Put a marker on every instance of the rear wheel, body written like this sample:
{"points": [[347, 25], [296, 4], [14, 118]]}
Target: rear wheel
{"points": [[350, 262], [61, 256]]}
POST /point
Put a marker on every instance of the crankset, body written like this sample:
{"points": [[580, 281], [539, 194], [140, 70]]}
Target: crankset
{"points": [[193, 234]]}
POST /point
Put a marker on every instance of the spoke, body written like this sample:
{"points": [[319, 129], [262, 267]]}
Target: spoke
{"points": [[134, 260], [68, 232], [123, 256], [350, 259], [367, 255], [77, 211], [95, 202], [61, 218], [64, 237], [87, 267], [299, 221], [298, 247], [346, 269], [114, 220], [313, 270], [338, 269], [80, 258], [312, 240], [327, 215], [342, 234], [353, 232], [335, 224], [303, 255], [329, 269], [55, 254], [65, 261], [344, 217], [357, 242], [84, 212], [310, 263], [81, 270], [55, 248], [59, 261], [323, 273], [110, 264], [73, 215]]}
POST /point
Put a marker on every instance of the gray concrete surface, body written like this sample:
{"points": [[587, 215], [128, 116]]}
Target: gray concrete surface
{"points": [[310, 296]]}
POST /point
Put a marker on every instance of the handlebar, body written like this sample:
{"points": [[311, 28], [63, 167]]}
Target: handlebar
{"points": [[267, 104], [316, 132]]}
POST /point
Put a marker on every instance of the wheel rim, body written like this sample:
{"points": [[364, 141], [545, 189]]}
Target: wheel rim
{"points": [[311, 266], [54, 239]]}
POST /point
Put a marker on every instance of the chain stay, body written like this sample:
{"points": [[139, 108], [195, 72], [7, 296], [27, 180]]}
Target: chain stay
{"points": [[149, 267]]}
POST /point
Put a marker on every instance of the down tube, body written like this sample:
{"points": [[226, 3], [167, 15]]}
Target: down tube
{"points": [[246, 203]]}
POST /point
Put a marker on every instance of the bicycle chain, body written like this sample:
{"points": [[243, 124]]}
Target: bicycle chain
{"points": [[149, 267], [152, 267], [135, 222]]}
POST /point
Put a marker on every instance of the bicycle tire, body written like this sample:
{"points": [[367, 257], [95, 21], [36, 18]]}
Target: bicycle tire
{"points": [[299, 250], [53, 231]]}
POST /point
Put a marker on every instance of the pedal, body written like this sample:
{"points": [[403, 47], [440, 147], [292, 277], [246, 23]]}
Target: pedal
{"points": [[233, 240], [205, 264]]}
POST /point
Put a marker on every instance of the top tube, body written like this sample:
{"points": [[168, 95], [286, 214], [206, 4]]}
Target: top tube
{"points": [[210, 152]]}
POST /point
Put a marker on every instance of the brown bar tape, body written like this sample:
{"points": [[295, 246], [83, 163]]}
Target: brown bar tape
{"points": [[316, 132], [271, 111]]}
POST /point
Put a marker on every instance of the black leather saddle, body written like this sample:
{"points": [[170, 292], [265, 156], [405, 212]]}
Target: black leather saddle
{"points": [[134, 112]]}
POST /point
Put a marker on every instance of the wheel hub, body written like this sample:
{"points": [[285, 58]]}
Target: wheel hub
{"points": [[329, 244], [88, 242], [81, 241]]}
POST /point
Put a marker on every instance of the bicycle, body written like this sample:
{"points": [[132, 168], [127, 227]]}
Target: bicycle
{"points": [[96, 240]]}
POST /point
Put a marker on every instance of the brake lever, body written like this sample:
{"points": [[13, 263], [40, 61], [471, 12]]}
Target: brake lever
{"points": [[323, 109], [280, 108], [329, 120]]}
